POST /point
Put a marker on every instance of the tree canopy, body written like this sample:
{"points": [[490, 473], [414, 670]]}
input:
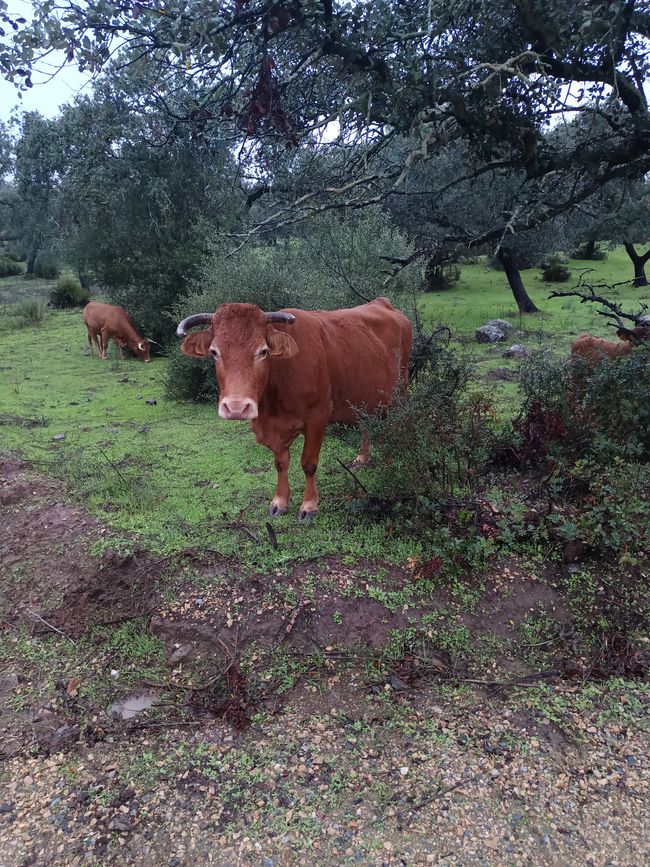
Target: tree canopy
{"points": [[493, 75]]}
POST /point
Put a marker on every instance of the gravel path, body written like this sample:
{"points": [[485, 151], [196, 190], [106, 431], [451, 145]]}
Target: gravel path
{"points": [[452, 778]]}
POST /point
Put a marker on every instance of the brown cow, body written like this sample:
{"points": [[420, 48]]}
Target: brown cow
{"points": [[105, 321], [593, 350], [295, 371]]}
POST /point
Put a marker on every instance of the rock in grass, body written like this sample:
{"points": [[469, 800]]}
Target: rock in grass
{"points": [[489, 334], [517, 350]]}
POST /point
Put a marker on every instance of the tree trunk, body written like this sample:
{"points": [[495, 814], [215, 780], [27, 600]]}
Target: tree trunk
{"points": [[640, 278], [524, 301], [33, 253], [590, 247]]}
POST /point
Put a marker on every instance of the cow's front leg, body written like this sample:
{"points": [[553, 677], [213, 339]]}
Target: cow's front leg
{"points": [[280, 502], [314, 436]]}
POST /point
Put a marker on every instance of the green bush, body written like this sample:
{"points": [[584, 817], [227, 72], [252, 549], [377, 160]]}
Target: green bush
{"points": [[9, 268], [14, 255], [555, 269], [589, 252], [31, 313], [572, 411], [431, 440], [68, 292], [190, 379], [46, 266], [608, 509]]}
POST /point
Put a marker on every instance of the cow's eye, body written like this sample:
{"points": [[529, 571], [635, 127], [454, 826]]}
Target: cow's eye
{"points": [[215, 353], [263, 352]]}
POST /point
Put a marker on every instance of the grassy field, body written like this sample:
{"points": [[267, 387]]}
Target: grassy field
{"points": [[177, 476]]}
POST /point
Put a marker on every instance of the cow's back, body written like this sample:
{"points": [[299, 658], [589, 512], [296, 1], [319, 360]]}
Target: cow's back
{"points": [[349, 358], [99, 315]]}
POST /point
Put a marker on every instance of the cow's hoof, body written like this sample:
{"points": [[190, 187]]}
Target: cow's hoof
{"points": [[305, 517], [275, 511]]}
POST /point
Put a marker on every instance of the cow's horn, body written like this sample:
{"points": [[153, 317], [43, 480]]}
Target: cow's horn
{"points": [[280, 316], [191, 321], [153, 341]]}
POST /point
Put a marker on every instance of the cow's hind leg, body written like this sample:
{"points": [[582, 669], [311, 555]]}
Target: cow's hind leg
{"points": [[314, 436], [91, 340], [363, 457], [280, 502], [104, 345]]}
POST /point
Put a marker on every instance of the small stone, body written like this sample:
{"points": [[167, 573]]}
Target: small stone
{"points": [[517, 350], [58, 437], [152, 402], [180, 653]]}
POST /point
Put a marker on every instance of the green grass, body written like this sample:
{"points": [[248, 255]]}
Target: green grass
{"points": [[483, 293], [174, 475]]}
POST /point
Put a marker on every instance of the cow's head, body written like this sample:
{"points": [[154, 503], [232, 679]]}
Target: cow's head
{"points": [[142, 349], [243, 342]]}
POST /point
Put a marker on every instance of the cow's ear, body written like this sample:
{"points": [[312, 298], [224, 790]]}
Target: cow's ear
{"points": [[625, 334], [282, 345], [197, 344]]}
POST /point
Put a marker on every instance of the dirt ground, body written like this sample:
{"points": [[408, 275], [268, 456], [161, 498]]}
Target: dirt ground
{"points": [[324, 753]]}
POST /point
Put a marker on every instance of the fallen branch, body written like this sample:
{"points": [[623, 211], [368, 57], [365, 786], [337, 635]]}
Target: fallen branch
{"points": [[590, 295]]}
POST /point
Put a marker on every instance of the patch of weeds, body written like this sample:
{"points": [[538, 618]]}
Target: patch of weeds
{"points": [[283, 668], [337, 617], [392, 600]]}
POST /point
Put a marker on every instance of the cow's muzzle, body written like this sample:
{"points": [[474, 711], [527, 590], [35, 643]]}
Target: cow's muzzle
{"points": [[238, 408]]}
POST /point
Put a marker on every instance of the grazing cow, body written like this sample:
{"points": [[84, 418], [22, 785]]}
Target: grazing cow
{"points": [[105, 321], [294, 371], [593, 350]]}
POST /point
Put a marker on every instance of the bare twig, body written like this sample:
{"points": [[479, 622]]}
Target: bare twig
{"points": [[356, 480], [49, 625]]}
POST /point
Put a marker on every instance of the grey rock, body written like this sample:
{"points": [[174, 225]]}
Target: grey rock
{"points": [[501, 324], [152, 402], [63, 738], [58, 437], [644, 320], [517, 350], [179, 654], [489, 334], [120, 823]]}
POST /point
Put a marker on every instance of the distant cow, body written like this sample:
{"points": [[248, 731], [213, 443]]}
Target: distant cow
{"points": [[294, 371], [105, 321], [595, 349]]}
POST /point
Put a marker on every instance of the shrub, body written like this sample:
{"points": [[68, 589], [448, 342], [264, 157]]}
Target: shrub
{"points": [[440, 276], [68, 292], [555, 269], [609, 509], [590, 251], [573, 411], [31, 313], [46, 267], [9, 268], [190, 379], [14, 255], [431, 440]]}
